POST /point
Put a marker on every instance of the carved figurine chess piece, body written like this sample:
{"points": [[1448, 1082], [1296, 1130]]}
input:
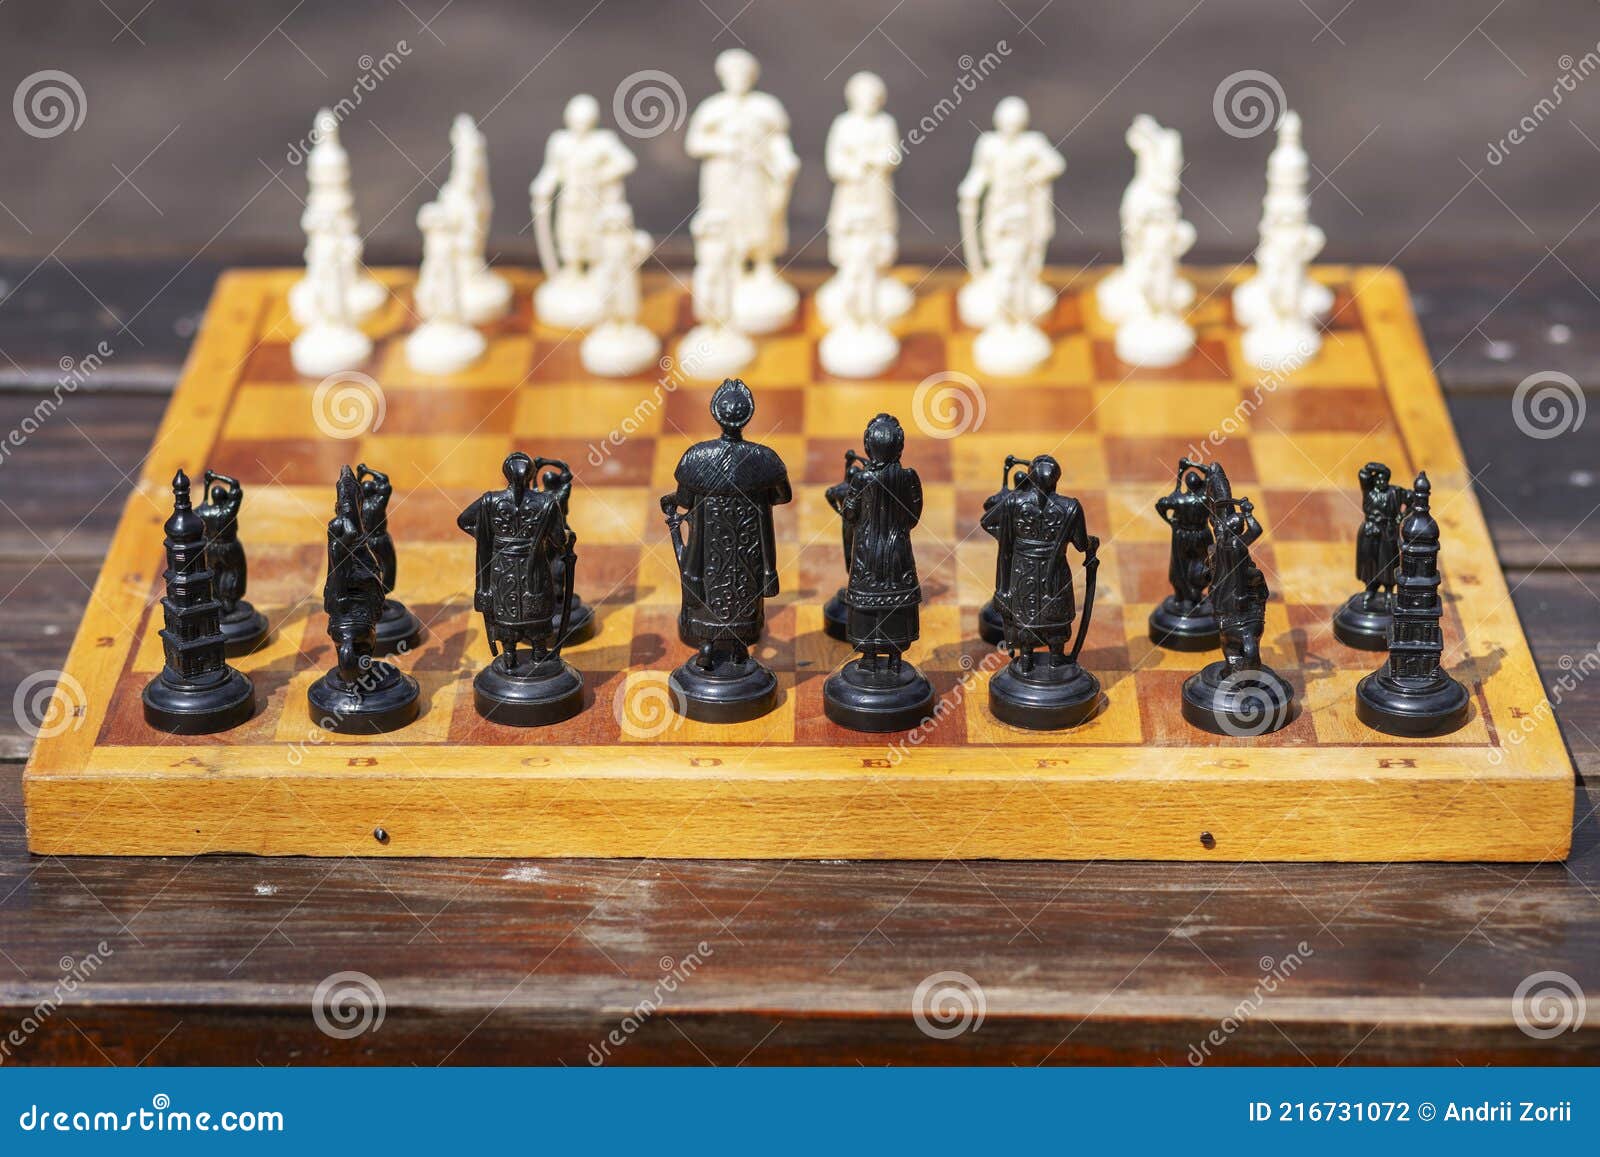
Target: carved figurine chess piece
{"points": [[1363, 621], [520, 532], [836, 611], [1034, 526], [879, 690], [330, 207], [1011, 345], [619, 346], [858, 343], [714, 348], [727, 564], [244, 627], [485, 295], [1185, 620], [444, 343], [398, 629], [556, 478]]}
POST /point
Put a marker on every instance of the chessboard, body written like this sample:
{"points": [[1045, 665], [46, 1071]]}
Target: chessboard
{"points": [[629, 777]]}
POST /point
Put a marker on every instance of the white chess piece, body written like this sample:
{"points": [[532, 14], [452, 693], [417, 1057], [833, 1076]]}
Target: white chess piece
{"points": [[1013, 167], [859, 344], [1283, 333], [586, 166], [330, 341], [1156, 333], [1011, 344], [444, 343], [748, 167], [1157, 179], [713, 349], [619, 346], [485, 295], [330, 202], [1286, 208], [862, 153]]}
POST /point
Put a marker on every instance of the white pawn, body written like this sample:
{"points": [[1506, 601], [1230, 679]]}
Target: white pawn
{"points": [[1157, 179], [444, 343], [862, 153], [1011, 344], [714, 350], [585, 165], [329, 201], [1285, 209], [485, 295], [1283, 334], [1013, 167], [619, 346], [1156, 333], [330, 342], [859, 344]]}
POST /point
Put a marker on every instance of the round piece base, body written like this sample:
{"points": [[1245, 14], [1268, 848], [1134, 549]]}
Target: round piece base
{"points": [[188, 711], [344, 710], [1176, 631], [567, 301], [877, 702], [619, 350], [245, 630], [1366, 630], [1389, 705], [398, 629], [836, 617], [991, 626], [536, 695], [485, 297], [1011, 349], [1280, 345], [978, 301], [729, 693], [442, 347], [710, 353], [858, 351], [763, 302], [1045, 699], [1253, 702], [1155, 341], [328, 348]]}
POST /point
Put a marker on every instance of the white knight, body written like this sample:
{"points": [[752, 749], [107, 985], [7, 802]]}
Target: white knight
{"points": [[862, 154], [747, 171], [585, 165], [1013, 167]]}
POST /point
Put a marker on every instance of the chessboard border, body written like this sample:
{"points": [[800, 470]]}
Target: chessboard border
{"points": [[1388, 801]]}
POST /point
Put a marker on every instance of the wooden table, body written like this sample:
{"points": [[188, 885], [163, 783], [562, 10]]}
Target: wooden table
{"points": [[216, 959]]}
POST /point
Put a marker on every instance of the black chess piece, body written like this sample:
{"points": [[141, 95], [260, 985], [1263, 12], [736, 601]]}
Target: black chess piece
{"points": [[556, 478], [836, 611], [1186, 620], [1363, 620], [244, 627], [878, 690], [1411, 694], [359, 695], [991, 623], [525, 565], [1238, 695], [196, 693], [1034, 526], [727, 563], [398, 629]]}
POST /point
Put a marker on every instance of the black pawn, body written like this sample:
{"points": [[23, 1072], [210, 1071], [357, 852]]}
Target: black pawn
{"points": [[244, 627], [1411, 695], [197, 693]]}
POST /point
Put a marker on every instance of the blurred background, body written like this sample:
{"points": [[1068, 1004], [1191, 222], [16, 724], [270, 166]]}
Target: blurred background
{"points": [[177, 127]]}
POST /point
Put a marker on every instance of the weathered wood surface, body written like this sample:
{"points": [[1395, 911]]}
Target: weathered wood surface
{"points": [[216, 959]]}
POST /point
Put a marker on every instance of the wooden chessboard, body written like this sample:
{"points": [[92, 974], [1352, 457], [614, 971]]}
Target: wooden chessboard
{"points": [[629, 778]]}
